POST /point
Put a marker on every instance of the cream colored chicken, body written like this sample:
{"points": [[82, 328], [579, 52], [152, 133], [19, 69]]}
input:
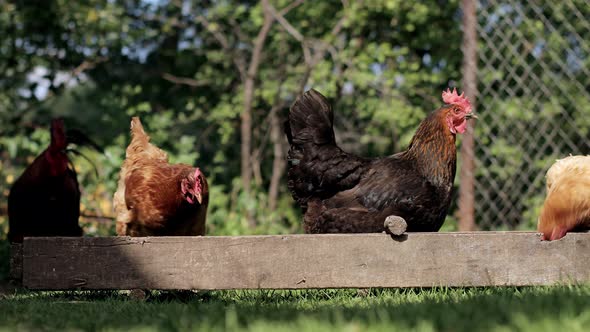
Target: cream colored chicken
{"points": [[567, 205]]}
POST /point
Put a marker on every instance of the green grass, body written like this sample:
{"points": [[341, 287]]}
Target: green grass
{"points": [[483, 309], [559, 308]]}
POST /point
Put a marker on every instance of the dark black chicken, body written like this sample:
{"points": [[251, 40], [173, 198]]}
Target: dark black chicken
{"points": [[343, 193], [45, 199]]}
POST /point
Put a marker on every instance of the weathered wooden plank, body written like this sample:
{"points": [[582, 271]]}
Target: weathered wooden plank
{"points": [[16, 261], [305, 261]]}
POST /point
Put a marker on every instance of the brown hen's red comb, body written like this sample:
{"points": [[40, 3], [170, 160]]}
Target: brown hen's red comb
{"points": [[460, 100], [198, 183]]}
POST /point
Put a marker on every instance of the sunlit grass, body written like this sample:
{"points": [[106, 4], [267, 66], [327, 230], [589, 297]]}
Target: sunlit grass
{"points": [[441, 309]]}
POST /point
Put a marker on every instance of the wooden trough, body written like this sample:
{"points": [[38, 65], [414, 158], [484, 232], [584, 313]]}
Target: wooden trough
{"points": [[302, 261]]}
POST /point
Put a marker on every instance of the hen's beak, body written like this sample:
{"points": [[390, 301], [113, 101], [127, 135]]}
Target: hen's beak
{"points": [[471, 116], [199, 197]]}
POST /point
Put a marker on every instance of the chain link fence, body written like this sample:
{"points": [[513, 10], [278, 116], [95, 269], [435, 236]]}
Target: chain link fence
{"points": [[533, 101]]}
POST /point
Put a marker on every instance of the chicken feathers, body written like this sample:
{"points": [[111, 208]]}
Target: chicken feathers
{"points": [[45, 199], [567, 205], [155, 197], [343, 193]]}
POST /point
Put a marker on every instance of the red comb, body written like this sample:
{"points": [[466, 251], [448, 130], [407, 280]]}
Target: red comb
{"points": [[198, 184], [460, 100]]}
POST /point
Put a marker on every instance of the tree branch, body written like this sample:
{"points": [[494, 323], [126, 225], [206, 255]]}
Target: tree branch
{"points": [[87, 64], [246, 117], [184, 80], [291, 6], [319, 46], [237, 30], [224, 42], [99, 218], [285, 24]]}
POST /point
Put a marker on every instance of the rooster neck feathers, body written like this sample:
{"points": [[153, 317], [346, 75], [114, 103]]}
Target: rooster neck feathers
{"points": [[55, 153], [433, 148]]}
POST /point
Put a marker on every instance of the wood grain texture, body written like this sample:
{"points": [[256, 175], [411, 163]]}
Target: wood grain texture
{"points": [[305, 261], [16, 261]]}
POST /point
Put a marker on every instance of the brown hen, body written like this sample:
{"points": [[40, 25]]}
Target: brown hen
{"points": [[156, 198]]}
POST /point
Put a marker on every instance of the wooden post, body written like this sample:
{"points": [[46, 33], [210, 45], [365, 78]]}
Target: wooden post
{"points": [[467, 172]]}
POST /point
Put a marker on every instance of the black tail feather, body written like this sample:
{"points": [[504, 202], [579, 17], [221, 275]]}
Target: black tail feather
{"points": [[80, 154], [77, 137], [318, 168], [311, 120], [287, 130]]}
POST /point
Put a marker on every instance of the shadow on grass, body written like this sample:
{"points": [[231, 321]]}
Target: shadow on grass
{"points": [[441, 309], [436, 309], [4, 260]]}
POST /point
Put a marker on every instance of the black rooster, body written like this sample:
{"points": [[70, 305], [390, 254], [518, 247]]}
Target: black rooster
{"points": [[343, 193]]}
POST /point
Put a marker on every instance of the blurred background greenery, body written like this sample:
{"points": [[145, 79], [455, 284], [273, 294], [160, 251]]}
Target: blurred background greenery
{"points": [[212, 82], [184, 67]]}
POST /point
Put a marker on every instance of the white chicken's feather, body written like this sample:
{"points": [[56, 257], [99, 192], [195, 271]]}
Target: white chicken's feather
{"points": [[572, 165]]}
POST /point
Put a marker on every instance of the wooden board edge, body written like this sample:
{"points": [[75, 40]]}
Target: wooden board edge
{"points": [[16, 262], [569, 245]]}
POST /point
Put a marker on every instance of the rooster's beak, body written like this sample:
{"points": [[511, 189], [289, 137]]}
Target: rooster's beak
{"points": [[471, 116]]}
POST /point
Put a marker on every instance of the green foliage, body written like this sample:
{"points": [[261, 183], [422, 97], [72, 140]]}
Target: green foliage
{"points": [[531, 110], [97, 64], [179, 65]]}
